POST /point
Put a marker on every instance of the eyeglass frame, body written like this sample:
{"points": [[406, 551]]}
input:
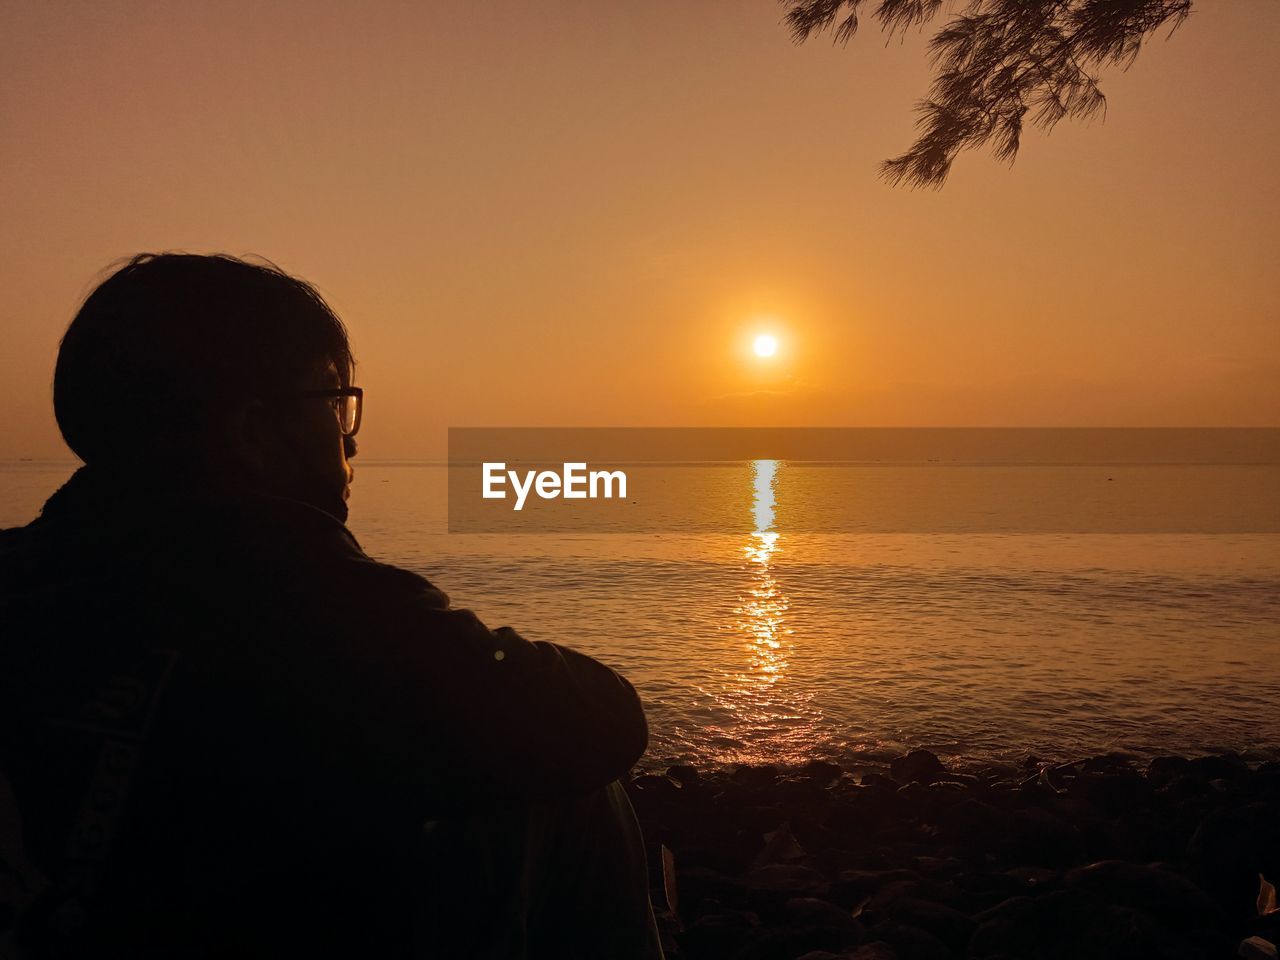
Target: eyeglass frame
{"points": [[334, 394]]}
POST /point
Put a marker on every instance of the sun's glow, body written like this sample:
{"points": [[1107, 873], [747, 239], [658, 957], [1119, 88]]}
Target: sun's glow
{"points": [[766, 345]]}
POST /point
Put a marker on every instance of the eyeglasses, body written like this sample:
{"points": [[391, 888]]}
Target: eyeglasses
{"points": [[348, 404]]}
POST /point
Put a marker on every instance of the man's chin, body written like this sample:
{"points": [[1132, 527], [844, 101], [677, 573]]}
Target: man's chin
{"points": [[332, 502], [337, 508]]}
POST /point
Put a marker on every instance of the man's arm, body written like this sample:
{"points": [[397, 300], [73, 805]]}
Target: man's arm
{"points": [[432, 699], [507, 720]]}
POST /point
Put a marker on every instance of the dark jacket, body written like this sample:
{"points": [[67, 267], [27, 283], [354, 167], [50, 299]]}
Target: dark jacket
{"points": [[227, 723]]}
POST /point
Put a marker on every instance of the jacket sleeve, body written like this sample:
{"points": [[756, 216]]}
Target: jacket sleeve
{"points": [[463, 717], [512, 720]]}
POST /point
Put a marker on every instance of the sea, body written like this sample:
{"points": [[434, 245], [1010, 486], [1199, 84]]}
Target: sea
{"points": [[782, 638]]}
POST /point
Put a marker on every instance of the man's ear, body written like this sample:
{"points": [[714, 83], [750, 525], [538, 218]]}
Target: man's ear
{"points": [[248, 437]]}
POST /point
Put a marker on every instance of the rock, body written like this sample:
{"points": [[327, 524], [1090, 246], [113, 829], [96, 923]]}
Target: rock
{"points": [[797, 792], [868, 951], [720, 846], [1164, 894], [945, 793], [1007, 911], [1228, 850], [879, 950], [918, 765], [1266, 926], [939, 866], [929, 864], [1144, 835], [1034, 878], [862, 812], [852, 887], [1081, 924], [1038, 837], [879, 780], [1163, 770], [998, 770], [821, 913], [1109, 763], [755, 777], [1227, 766], [1132, 933], [972, 823], [1255, 948], [783, 943], [790, 880], [684, 774], [912, 797], [1267, 776], [698, 883], [718, 934], [976, 890], [965, 780], [911, 942], [891, 893], [653, 785], [1114, 792], [820, 772], [1010, 928], [1184, 787], [949, 925], [780, 846]]}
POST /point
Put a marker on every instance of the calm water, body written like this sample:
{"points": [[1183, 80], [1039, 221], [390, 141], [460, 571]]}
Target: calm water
{"points": [[772, 644]]}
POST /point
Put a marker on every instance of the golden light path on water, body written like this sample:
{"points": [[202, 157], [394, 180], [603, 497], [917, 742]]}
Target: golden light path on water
{"points": [[764, 607], [771, 720]]}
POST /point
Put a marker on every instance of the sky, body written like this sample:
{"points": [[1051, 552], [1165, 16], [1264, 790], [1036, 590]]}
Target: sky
{"points": [[581, 214]]}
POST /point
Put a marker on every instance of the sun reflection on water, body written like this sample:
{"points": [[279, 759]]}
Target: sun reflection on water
{"points": [[764, 605], [763, 612], [772, 721]]}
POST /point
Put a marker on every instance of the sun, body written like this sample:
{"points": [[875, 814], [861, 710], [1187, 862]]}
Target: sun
{"points": [[765, 345]]}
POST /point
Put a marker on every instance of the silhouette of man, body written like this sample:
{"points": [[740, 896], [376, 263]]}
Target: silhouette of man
{"points": [[225, 730]]}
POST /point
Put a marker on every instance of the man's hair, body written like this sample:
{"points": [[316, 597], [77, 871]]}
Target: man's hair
{"points": [[161, 348]]}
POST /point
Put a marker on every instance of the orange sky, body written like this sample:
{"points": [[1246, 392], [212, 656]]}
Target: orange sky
{"points": [[575, 213]]}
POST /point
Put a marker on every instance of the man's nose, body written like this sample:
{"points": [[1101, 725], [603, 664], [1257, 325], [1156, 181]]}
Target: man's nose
{"points": [[349, 447]]}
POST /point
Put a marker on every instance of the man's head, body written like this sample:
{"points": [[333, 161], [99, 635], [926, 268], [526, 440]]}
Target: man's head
{"points": [[206, 360]]}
